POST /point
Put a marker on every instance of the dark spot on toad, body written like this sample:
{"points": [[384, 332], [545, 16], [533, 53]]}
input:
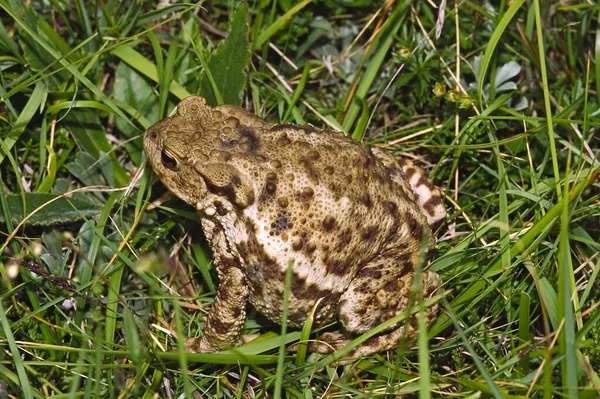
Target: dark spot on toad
{"points": [[221, 327], [276, 163], [369, 232], [311, 172], [431, 204], [365, 198], [409, 173], [221, 210], [415, 228], [328, 222], [249, 137], [280, 224], [391, 206], [308, 128], [282, 202], [391, 286], [365, 160], [306, 193], [370, 273], [424, 181], [264, 269], [310, 248], [337, 267], [297, 285], [297, 244], [313, 155], [228, 191], [283, 140], [270, 188]]}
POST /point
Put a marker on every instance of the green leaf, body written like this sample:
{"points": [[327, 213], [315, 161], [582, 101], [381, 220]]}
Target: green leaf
{"points": [[506, 73], [56, 209], [86, 128], [227, 65], [132, 337], [86, 169], [132, 89], [138, 62]]}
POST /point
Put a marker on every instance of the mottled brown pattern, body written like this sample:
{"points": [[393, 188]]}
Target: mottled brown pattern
{"points": [[248, 138], [348, 220]]}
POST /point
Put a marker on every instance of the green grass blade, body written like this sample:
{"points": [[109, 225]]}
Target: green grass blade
{"points": [[33, 105], [565, 304], [18, 362], [384, 39], [297, 92], [278, 24], [547, 107], [493, 42], [281, 356], [597, 59], [87, 267], [424, 366], [524, 322]]}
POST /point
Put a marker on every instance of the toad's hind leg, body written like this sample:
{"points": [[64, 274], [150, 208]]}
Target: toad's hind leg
{"points": [[378, 294]]}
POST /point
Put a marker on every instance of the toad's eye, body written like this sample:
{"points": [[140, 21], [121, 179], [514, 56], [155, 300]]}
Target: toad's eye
{"points": [[168, 160]]}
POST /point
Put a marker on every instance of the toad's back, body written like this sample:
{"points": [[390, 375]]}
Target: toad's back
{"points": [[329, 205]]}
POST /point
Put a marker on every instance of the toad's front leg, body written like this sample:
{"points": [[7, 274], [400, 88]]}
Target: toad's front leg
{"points": [[226, 316]]}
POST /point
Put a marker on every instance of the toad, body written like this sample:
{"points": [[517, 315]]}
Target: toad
{"points": [[351, 222]]}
